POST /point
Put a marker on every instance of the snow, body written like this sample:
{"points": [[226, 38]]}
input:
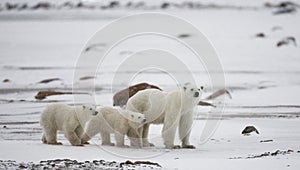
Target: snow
{"points": [[262, 78], [226, 144]]}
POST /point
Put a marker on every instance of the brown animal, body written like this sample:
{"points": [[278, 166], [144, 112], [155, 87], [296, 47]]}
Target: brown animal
{"points": [[121, 97]]}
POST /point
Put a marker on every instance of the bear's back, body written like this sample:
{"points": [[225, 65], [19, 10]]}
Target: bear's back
{"points": [[56, 114], [110, 116]]}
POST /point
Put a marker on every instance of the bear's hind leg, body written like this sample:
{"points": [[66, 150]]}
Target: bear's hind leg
{"points": [[44, 140], [106, 139], [50, 136]]}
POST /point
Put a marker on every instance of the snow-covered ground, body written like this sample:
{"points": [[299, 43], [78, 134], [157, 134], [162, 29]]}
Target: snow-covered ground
{"points": [[262, 78]]}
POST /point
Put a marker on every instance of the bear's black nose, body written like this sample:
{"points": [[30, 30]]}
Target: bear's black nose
{"points": [[96, 112], [144, 120], [196, 94]]}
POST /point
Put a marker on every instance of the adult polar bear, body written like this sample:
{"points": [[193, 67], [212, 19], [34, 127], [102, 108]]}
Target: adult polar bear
{"points": [[173, 109]]}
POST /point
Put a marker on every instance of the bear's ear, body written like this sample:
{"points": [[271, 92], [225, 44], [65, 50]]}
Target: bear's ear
{"points": [[201, 87]]}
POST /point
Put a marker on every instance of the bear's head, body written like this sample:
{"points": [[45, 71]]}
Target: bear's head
{"points": [[135, 119], [90, 109], [192, 91]]}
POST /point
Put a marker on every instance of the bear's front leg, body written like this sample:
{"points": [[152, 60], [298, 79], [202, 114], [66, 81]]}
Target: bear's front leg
{"points": [[134, 137], [93, 127], [79, 132], [146, 143], [120, 140], [170, 125], [72, 137], [185, 126]]}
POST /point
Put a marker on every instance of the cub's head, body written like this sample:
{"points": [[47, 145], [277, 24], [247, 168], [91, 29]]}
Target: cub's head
{"points": [[134, 117], [91, 109], [192, 91]]}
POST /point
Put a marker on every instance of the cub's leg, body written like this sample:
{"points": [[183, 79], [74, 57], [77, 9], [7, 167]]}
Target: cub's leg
{"points": [[93, 127], [120, 140], [71, 135]]}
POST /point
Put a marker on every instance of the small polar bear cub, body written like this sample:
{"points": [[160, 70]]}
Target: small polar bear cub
{"points": [[70, 120], [113, 120]]}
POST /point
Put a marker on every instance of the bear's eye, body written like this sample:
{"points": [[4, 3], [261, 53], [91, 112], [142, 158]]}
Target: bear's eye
{"points": [[192, 89], [139, 117], [132, 116], [91, 109]]}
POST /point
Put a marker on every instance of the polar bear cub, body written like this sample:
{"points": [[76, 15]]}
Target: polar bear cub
{"points": [[113, 120], [70, 120]]}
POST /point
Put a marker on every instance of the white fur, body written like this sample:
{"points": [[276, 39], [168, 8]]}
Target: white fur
{"points": [[113, 120], [175, 109], [150, 102], [70, 120]]}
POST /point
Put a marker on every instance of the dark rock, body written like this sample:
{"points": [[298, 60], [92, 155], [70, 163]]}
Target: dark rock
{"points": [[260, 35], [275, 153], [286, 7], [79, 5], [68, 4], [6, 81], [249, 129], [184, 35], [269, 140], [165, 5], [43, 94], [86, 77], [10, 6], [114, 4], [286, 41], [23, 7], [42, 5], [49, 80], [22, 166]]}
